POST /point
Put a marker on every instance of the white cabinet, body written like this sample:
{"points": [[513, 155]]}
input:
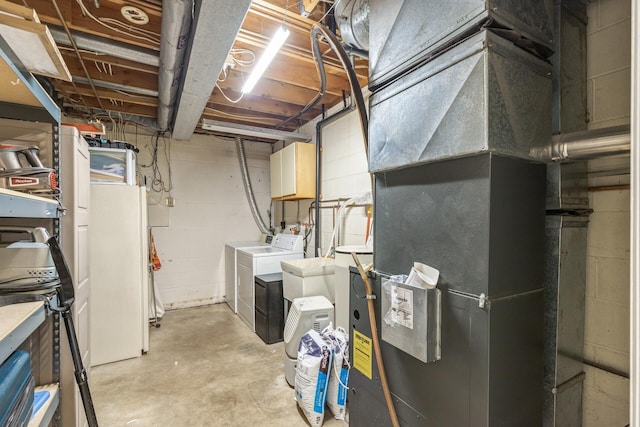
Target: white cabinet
{"points": [[74, 170], [119, 273], [293, 172]]}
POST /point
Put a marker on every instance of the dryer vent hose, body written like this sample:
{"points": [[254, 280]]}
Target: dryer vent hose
{"points": [[249, 190]]}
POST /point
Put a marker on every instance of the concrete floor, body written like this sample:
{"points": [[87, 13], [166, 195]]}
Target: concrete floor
{"points": [[204, 368]]}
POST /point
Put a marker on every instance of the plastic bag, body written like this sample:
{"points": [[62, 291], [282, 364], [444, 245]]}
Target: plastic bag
{"points": [[313, 369], [339, 378]]}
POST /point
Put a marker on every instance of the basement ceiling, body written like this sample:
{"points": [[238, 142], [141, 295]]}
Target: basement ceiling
{"points": [[115, 66]]}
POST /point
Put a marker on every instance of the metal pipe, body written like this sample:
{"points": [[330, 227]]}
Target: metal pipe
{"points": [[355, 51], [75, 48], [352, 17], [356, 91], [319, 127], [591, 144], [117, 86], [634, 279], [317, 54], [248, 189]]}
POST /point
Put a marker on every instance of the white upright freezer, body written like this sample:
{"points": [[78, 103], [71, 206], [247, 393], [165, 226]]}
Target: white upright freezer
{"points": [[119, 273]]}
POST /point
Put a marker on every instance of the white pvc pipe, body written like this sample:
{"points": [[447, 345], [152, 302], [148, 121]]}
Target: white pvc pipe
{"points": [[634, 398]]}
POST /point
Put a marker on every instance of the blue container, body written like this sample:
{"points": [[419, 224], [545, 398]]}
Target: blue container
{"points": [[16, 390]]}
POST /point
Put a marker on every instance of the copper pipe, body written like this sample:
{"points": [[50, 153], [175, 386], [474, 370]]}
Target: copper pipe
{"points": [[610, 187]]}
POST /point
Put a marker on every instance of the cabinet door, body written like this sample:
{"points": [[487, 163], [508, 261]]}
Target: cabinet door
{"points": [[289, 170], [74, 167], [276, 174]]}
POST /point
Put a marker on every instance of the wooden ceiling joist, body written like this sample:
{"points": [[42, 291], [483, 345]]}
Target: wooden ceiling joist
{"points": [[289, 84], [75, 20]]}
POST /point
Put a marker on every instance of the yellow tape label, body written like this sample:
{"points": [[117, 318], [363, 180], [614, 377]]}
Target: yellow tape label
{"points": [[362, 359]]}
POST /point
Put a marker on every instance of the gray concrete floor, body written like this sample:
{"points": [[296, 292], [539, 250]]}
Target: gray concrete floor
{"points": [[204, 368]]}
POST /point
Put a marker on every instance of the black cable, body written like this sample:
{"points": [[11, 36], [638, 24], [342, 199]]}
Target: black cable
{"points": [[317, 55]]}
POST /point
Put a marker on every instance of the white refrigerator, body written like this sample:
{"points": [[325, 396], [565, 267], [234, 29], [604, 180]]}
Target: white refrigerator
{"points": [[119, 273]]}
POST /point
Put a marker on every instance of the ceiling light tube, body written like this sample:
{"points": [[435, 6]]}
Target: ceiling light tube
{"points": [[274, 46]]}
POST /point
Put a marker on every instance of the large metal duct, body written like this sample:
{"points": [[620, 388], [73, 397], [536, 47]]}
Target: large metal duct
{"points": [[107, 46], [352, 17], [567, 208], [176, 24]]}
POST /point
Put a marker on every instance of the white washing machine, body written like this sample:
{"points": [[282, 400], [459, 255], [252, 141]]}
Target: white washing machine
{"points": [[231, 268], [265, 260]]}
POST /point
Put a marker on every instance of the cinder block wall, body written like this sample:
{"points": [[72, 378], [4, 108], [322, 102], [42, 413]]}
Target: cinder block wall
{"points": [[211, 209], [606, 395], [344, 175]]}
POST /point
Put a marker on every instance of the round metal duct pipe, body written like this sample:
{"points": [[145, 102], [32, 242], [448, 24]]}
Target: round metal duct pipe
{"points": [[591, 144], [352, 17]]}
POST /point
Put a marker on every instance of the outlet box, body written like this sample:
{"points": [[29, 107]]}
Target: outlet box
{"points": [[170, 202]]}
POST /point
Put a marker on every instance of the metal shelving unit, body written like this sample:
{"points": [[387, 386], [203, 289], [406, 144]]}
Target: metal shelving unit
{"points": [[14, 204], [23, 98], [18, 322]]}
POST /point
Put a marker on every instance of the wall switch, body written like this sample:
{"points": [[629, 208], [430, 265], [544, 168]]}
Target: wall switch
{"points": [[170, 202]]}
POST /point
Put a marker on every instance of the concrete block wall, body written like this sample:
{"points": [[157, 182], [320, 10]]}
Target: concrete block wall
{"points": [[609, 62], [211, 209], [606, 395], [344, 175]]}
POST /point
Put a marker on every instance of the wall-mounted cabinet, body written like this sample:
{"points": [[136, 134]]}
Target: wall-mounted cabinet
{"points": [[293, 172]]}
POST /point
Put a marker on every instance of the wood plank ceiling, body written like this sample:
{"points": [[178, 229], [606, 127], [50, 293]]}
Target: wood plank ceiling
{"points": [[129, 87]]}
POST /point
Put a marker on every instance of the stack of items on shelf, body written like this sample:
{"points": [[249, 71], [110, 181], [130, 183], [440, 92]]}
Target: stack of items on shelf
{"points": [[112, 161], [22, 170]]}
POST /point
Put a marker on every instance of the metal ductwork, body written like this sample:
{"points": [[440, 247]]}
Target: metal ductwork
{"points": [[106, 46], [248, 189], [176, 24], [352, 17], [116, 86], [591, 144], [133, 118]]}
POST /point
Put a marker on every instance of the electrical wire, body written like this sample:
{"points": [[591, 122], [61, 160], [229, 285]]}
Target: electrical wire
{"points": [[235, 53], [137, 33], [158, 183], [233, 101], [319, 64]]}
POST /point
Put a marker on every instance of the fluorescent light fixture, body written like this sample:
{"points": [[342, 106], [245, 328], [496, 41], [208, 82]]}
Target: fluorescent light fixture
{"points": [[274, 46], [252, 131]]}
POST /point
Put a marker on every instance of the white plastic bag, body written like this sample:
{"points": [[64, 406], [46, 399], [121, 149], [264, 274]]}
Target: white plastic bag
{"points": [[339, 378], [312, 376]]}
